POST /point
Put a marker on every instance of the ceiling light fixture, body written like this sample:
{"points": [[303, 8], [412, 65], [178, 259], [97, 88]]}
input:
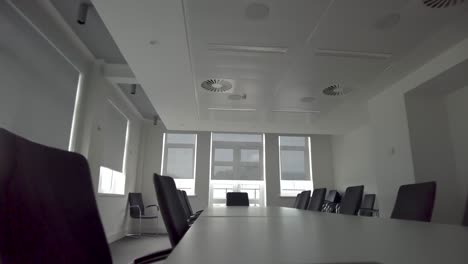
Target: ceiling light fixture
{"points": [[244, 48], [352, 54], [232, 109], [83, 13]]}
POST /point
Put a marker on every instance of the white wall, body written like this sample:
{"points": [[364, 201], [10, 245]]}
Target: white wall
{"points": [[389, 126], [353, 160], [457, 108], [112, 208], [432, 153]]}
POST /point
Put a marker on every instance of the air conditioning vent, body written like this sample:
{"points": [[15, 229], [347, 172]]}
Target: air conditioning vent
{"points": [[442, 3], [336, 90], [217, 85]]}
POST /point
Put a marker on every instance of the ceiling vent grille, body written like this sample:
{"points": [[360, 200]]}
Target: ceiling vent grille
{"points": [[442, 3], [336, 90], [217, 85]]}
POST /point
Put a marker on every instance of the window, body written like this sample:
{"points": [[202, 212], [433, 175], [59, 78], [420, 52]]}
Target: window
{"points": [[179, 157], [295, 165], [236, 165], [114, 134]]}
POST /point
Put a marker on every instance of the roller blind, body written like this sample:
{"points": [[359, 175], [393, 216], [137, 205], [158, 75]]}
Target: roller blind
{"points": [[114, 131], [38, 85], [237, 157], [294, 158], [179, 155]]}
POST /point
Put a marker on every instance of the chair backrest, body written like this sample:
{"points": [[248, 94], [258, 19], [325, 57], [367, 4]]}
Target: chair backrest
{"points": [[171, 208], [183, 203], [415, 202], [368, 203], [333, 196], [237, 199], [317, 199], [136, 199], [303, 200], [48, 212], [187, 201], [296, 202], [351, 200]]}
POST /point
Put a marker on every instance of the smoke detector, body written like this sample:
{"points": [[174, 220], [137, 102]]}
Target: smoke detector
{"points": [[218, 85], [336, 90], [442, 3]]}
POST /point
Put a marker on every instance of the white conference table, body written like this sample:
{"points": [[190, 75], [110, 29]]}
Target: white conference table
{"points": [[233, 235]]}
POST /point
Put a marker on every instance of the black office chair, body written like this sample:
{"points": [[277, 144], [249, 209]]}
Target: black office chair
{"points": [[317, 199], [137, 211], [173, 215], [296, 202], [331, 202], [367, 206], [189, 206], [351, 200], [237, 199], [415, 202], [48, 212], [180, 194], [303, 200]]}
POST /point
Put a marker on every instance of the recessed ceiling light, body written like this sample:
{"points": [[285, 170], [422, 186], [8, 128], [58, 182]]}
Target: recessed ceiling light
{"points": [[388, 22], [243, 48], [257, 11], [352, 54], [307, 99]]}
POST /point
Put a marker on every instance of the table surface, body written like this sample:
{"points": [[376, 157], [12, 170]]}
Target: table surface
{"points": [[284, 235]]}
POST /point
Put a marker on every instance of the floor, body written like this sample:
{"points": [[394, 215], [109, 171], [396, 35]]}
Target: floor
{"points": [[127, 249]]}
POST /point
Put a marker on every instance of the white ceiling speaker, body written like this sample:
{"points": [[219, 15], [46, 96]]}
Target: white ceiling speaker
{"points": [[388, 22], [218, 85], [257, 11], [442, 3], [237, 97], [336, 90]]}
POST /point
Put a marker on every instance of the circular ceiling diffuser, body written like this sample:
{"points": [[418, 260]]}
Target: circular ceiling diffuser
{"points": [[442, 3], [336, 90], [217, 85]]}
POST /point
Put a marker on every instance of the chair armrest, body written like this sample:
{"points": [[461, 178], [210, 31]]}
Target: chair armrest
{"points": [[153, 257], [153, 205]]}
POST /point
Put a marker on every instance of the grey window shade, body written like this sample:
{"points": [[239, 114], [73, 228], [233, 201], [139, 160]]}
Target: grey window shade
{"points": [[294, 159], [114, 131], [38, 85], [179, 156], [237, 157]]}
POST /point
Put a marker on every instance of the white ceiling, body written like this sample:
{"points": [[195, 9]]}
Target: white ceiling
{"points": [[169, 45]]}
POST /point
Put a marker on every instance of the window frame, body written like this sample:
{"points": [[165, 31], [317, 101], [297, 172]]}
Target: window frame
{"points": [[307, 167]]}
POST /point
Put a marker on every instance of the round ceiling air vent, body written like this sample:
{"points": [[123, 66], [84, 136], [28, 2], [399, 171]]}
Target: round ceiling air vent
{"points": [[336, 90], [217, 85], [442, 3]]}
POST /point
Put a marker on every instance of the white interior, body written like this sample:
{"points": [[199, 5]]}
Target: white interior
{"points": [[404, 120]]}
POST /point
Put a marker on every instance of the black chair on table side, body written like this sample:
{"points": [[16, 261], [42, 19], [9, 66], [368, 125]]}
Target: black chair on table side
{"points": [[296, 202], [332, 201], [186, 206], [237, 199], [44, 216], [187, 201], [303, 202], [351, 200], [173, 215], [367, 206], [415, 202], [317, 199], [137, 211]]}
